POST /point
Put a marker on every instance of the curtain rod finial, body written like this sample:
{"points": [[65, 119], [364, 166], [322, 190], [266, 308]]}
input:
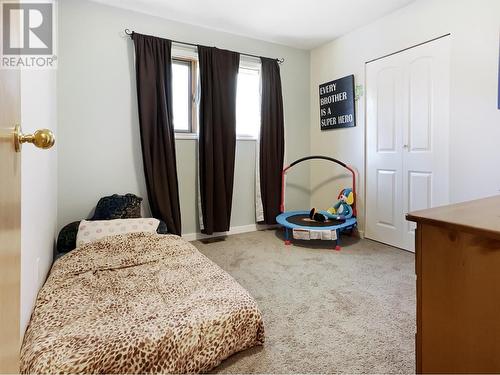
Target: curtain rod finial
{"points": [[128, 32], [280, 60]]}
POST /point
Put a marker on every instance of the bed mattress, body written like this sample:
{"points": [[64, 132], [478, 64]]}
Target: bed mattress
{"points": [[138, 303]]}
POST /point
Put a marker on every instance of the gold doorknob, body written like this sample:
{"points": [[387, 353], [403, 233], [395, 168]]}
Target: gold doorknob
{"points": [[42, 138]]}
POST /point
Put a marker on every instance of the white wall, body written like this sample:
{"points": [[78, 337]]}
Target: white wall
{"points": [[475, 119], [38, 187], [99, 149]]}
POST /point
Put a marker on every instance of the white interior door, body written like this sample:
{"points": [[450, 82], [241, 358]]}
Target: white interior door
{"points": [[10, 222], [407, 162]]}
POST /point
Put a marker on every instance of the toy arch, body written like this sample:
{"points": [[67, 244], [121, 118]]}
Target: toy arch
{"points": [[316, 157], [287, 219]]}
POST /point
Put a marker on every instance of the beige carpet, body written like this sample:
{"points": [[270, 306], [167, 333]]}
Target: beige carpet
{"points": [[351, 311]]}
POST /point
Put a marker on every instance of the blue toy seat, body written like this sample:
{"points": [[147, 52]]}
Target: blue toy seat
{"points": [[306, 224]]}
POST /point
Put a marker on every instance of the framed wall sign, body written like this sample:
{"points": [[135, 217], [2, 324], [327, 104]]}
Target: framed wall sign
{"points": [[336, 103]]}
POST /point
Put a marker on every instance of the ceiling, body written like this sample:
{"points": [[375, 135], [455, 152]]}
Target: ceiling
{"points": [[302, 24]]}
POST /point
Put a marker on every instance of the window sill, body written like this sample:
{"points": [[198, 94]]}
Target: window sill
{"points": [[194, 136], [245, 138], [186, 136]]}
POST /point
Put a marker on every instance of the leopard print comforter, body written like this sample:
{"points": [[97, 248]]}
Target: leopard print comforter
{"points": [[138, 303]]}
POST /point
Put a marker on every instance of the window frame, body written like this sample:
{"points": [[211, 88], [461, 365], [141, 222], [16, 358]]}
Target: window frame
{"points": [[181, 52], [189, 64], [188, 55], [250, 63]]}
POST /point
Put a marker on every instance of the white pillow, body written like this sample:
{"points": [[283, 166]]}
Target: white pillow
{"points": [[90, 231]]}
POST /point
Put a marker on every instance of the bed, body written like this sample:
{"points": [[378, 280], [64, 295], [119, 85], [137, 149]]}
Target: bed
{"points": [[138, 303]]}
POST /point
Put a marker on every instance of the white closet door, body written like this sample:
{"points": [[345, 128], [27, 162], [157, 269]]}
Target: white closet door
{"points": [[385, 117], [407, 139]]}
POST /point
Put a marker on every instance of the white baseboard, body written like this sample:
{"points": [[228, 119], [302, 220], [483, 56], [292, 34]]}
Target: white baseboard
{"points": [[232, 230]]}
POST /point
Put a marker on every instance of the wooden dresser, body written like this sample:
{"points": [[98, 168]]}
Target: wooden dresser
{"points": [[457, 261]]}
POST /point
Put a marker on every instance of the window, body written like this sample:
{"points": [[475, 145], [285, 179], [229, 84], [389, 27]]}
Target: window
{"points": [[248, 102], [183, 86]]}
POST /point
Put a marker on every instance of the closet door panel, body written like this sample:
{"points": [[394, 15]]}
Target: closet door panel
{"points": [[425, 157], [384, 145]]}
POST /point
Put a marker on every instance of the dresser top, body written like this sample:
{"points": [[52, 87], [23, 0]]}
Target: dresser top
{"points": [[480, 216]]}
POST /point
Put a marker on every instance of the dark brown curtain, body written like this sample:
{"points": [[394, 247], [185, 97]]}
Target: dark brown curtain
{"points": [[217, 141], [154, 94], [272, 141]]}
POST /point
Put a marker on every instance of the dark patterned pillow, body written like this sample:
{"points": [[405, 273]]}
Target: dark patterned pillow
{"points": [[116, 206], [66, 241], [162, 228]]}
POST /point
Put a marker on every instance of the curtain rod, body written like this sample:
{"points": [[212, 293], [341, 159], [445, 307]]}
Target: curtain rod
{"points": [[280, 60]]}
